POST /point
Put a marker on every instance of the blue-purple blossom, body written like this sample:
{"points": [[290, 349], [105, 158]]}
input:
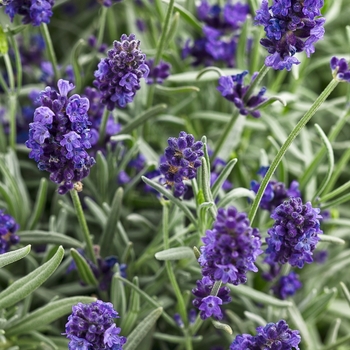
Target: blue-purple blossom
{"points": [[59, 136], [294, 234], [220, 33], [35, 12], [182, 160], [291, 26], [232, 88], [118, 76], [8, 229], [230, 248], [287, 286], [208, 306], [91, 326], [340, 69], [157, 74], [273, 336]]}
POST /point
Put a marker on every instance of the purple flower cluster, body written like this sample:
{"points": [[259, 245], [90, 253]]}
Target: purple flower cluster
{"points": [[287, 285], [118, 76], [8, 228], [108, 3], [35, 12], [291, 26], [220, 33], [230, 248], [59, 136], [182, 160], [274, 336], [209, 305], [294, 234], [157, 74], [340, 69], [91, 326], [232, 88]]}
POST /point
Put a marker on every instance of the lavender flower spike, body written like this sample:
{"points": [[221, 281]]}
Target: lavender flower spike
{"points": [[232, 88], [291, 26], [118, 76], [91, 326], [287, 286], [340, 69], [8, 228]]}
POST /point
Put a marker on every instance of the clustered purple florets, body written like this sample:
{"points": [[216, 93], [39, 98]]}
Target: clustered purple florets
{"points": [[291, 26], [182, 160], [232, 88], [35, 12], [59, 136], [8, 228], [274, 336], [287, 285], [294, 234], [157, 74], [220, 33], [118, 76], [91, 326], [340, 69], [230, 248]]}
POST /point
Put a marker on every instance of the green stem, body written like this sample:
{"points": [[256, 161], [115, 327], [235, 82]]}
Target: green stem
{"points": [[103, 125], [18, 61], [224, 136], [171, 275], [295, 132], [3, 84], [83, 225], [9, 70], [52, 56], [335, 192], [101, 30], [13, 131], [216, 287], [262, 72]]}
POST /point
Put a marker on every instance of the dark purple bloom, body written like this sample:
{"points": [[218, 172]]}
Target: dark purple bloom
{"points": [[287, 285], [8, 228], [182, 160], [118, 76], [340, 69], [321, 256], [232, 88], [291, 26], [91, 326], [59, 136], [157, 74], [294, 234], [33, 11], [210, 306], [230, 248], [178, 320]]}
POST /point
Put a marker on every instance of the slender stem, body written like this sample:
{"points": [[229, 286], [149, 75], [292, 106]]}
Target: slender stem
{"points": [[262, 72], [83, 225], [216, 287], [9, 70], [3, 84], [101, 30], [295, 132], [103, 125], [13, 131], [335, 192], [18, 61], [224, 136], [52, 56]]}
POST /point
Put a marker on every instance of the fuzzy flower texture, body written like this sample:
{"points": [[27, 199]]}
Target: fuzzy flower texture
{"points": [[91, 327], [182, 160], [35, 12], [118, 76], [291, 26], [8, 228], [59, 136], [274, 336], [340, 69]]}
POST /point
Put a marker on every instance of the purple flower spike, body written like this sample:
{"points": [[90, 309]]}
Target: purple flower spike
{"points": [[91, 326], [8, 228], [59, 136], [210, 306], [287, 286], [274, 336], [232, 88], [182, 160], [294, 234], [340, 69], [231, 248], [157, 74], [118, 76], [291, 27]]}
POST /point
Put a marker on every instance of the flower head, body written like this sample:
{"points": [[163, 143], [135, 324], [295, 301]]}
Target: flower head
{"points": [[287, 285], [182, 160], [91, 326], [340, 69], [59, 136], [291, 26], [8, 228], [294, 234], [118, 76], [230, 248], [157, 74], [232, 88]]}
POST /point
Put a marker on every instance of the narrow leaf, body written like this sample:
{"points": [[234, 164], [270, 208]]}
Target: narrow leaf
{"points": [[49, 237], [10, 257], [235, 194], [331, 239], [225, 173], [83, 268], [222, 326], [175, 254], [176, 90], [39, 204]]}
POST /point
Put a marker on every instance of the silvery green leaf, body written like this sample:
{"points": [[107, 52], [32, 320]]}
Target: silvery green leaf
{"points": [[39, 204], [48, 237], [175, 254], [10, 257], [83, 268], [222, 326]]}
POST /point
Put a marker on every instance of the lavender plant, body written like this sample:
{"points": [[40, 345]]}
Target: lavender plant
{"points": [[131, 212]]}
